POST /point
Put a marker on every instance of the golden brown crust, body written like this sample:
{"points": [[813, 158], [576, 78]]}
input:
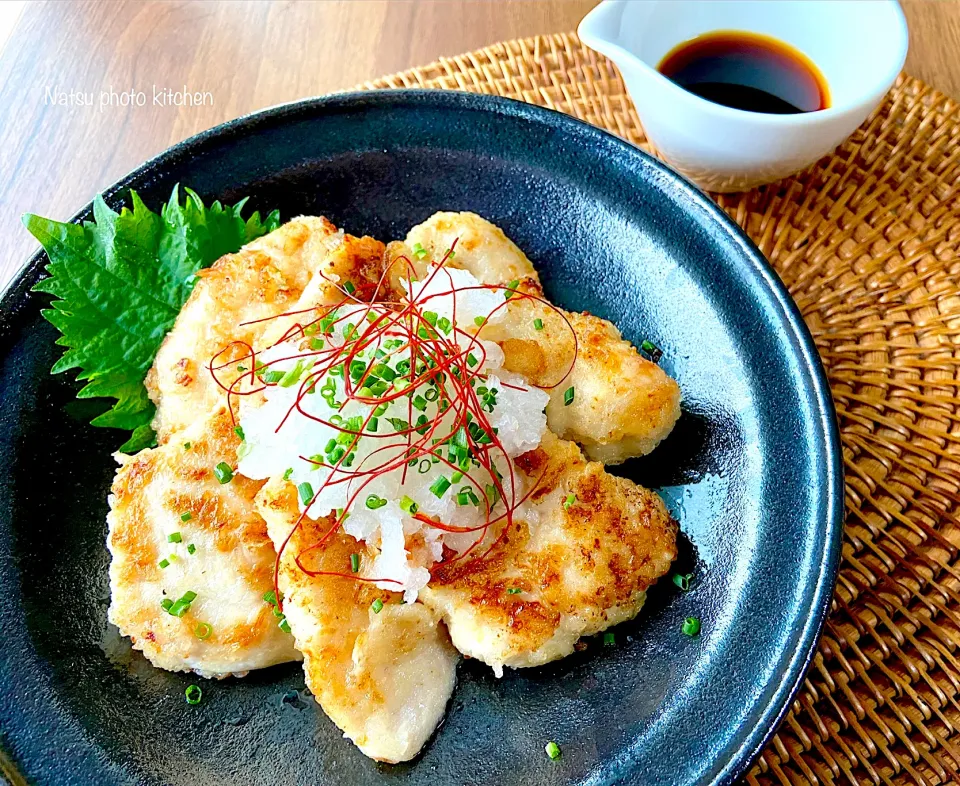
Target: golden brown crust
{"points": [[383, 677], [263, 280], [230, 568], [624, 404], [481, 248], [579, 568], [236, 302]]}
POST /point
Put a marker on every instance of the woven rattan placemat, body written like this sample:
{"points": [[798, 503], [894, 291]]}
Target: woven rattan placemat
{"points": [[866, 240]]}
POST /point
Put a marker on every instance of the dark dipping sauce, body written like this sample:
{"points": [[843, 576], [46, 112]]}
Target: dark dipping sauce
{"points": [[747, 71]]}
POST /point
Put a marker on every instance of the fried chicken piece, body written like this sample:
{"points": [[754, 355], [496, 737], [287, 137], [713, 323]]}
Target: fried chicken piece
{"points": [[239, 298], [623, 404], [383, 677], [232, 566], [221, 552], [580, 567]]}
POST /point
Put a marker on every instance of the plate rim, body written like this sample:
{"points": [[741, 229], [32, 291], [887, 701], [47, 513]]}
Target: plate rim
{"points": [[17, 294]]}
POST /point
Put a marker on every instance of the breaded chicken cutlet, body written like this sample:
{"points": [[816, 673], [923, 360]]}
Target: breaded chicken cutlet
{"points": [[578, 558], [238, 298], [172, 490], [177, 532], [625, 404], [382, 673]]}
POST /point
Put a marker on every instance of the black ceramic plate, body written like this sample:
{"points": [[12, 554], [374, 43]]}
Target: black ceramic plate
{"points": [[752, 472]]}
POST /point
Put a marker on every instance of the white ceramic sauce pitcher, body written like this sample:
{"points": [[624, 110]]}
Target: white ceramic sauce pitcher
{"points": [[858, 45]]}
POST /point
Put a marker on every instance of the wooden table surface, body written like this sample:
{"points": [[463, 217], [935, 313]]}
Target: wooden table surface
{"points": [[249, 54]]}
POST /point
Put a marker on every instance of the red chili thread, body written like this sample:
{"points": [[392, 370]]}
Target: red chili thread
{"points": [[445, 367]]}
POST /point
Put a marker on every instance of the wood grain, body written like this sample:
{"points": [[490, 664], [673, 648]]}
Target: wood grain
{"points": [[249, 55]]}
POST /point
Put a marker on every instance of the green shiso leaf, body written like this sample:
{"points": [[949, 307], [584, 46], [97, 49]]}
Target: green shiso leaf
{"points": [[118, 283]]}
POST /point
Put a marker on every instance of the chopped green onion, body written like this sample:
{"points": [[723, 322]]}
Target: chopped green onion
{"points": [[472, 360], [408, 505], [691, 626], [186, 516], [164, 563], [193, 694], [419, 251], [316, 344], [514, 591], [284, 625], [609, 639], [203, 630], [273, 376], [398, 424], [384, 372], [292, 376], [569, 501], [288, 473], [191, 549], [326, 324], [419, 402], [553, 750], [166, 603], [459, 440], [479, 321], [444, 324], [182, 606], [538, 324], [305, 490], [241, 368], [377, 606], [439, 487], [511, 288], [374, 502], [568, 395], [270, 597], [355, 563], [682, 581], [373, 424], [186, 445], [174, 537], [224, 472], [431, 318], [651, 350], [349, 287], [238, 430]]}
